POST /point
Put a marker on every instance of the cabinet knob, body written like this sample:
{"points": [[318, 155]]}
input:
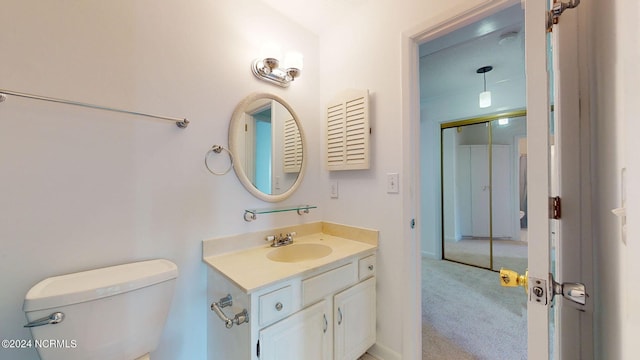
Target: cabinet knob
{"points": [[370, 267], [279, 306]]}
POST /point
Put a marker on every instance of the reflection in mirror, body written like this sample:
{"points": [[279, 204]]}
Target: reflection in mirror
{"points": [[509, 208], [484, 194], [465, 185], [266, 139]]}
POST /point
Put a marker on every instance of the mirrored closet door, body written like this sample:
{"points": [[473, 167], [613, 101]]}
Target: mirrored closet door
{"points": [[484, 191]]}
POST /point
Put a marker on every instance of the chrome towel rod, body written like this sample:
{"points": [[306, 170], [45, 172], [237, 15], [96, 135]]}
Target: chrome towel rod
{"points": [[181, 123]]}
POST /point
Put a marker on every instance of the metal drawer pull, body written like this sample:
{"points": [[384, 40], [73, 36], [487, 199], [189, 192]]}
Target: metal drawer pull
{"points": [[54, 318], [279, 306], [326, 323], [240, 318], [339, 316], [370, 267]]}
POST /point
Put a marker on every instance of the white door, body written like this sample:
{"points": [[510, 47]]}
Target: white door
{"points": [[574, 322], [560, 323], [304, 335], [355, 320]]}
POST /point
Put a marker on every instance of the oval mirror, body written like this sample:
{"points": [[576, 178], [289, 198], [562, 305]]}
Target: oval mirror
{"points": [[267, 143]]}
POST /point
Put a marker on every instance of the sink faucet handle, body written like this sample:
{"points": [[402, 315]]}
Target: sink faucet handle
{"points": [[270, 238], [293, 233]]}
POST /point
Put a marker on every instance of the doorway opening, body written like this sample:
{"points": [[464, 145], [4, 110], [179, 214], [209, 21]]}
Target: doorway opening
{"points": [[467, 146]]}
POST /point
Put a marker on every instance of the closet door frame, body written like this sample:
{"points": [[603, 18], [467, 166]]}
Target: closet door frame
{"points": [[466, 122]]}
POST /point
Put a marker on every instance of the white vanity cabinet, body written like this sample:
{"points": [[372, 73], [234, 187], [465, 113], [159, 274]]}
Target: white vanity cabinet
{"points": [[323, 314]]}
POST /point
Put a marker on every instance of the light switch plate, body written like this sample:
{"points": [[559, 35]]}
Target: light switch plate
{"points": [[334, 189], [393, 186]]}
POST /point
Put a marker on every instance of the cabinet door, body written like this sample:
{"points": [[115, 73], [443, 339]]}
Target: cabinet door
{"points": [[303, 335], [355, 320]]}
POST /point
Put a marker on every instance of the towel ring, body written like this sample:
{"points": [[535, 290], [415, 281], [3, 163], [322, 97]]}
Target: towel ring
{"points": [[218, 149]]}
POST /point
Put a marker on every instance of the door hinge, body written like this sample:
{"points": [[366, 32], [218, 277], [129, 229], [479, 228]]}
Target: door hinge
{"points": [[553, 16], [555, 208]]}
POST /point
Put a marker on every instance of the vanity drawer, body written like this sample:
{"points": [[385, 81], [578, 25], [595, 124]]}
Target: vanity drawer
{"points": [[275, 305], [366, 267], [319, 286]]}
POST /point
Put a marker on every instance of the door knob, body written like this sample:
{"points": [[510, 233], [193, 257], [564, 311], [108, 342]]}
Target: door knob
{"points": [[510, 278], [575, 292]]}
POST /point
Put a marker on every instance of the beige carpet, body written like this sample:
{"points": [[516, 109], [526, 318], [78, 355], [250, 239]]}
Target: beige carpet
{"points": [[506, 253], [466, 314]]}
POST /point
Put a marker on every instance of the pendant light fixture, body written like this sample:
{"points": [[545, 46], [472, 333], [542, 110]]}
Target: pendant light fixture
{"points": [[484, 99]]}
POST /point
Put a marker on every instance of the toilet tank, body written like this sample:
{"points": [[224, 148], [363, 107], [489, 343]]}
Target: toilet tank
{"points": [[116, 312]]}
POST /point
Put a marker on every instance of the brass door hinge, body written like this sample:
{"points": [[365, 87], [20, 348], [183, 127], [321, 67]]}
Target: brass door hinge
{"points": [[553, 16], [555, 208]]}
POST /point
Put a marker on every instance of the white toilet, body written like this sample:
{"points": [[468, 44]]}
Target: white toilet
{"points": [[112, 313]]}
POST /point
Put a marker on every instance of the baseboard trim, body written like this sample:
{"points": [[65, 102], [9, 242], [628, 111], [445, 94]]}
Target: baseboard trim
{"points": [[429, 255], [381, 352]]}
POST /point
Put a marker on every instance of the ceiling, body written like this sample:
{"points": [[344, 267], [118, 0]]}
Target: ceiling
{"points": [[449, 63], [314, 15]]}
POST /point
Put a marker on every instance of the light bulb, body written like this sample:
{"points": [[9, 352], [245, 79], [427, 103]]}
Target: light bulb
{"points": [[484, 99]]}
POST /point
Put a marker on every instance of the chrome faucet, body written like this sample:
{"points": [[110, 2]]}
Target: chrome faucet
{"points": [[281, 240]]}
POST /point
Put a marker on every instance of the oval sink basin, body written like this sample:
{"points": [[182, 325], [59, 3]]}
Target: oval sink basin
{"points": [[299, 252]]}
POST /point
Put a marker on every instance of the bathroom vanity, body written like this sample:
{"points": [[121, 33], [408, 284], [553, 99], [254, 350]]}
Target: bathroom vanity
{"points": [[313, 299]]}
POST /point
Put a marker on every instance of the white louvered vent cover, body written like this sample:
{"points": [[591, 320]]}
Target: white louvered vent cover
{"points": [[292, 147], [348, 131]]}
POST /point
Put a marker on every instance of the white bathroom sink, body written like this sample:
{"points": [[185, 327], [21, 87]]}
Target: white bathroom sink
{"points": [[299, 252]]}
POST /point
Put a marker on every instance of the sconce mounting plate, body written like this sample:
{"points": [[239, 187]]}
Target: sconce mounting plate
{"points": [[277, 76]]}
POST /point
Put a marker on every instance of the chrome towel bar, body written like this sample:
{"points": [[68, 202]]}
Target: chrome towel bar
{"points": [[181, 123]]}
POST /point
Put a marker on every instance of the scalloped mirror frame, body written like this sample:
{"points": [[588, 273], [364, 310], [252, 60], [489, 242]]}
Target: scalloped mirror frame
{"points": [[236, 126]]}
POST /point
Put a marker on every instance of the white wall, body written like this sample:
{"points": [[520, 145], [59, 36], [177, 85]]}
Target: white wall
{"points": [[431, 217], [614, 53], [630, 34], [86, 188], [609, 158]]}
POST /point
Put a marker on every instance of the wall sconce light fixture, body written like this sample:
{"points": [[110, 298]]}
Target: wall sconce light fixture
{"points": [[484, 99], [268, 68]]}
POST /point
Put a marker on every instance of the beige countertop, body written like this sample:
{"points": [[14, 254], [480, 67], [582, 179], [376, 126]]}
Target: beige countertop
{"points": [[252, 270]]}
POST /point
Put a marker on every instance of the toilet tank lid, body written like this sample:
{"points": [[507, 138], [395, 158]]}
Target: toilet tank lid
{"points": [[98, 283]]}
